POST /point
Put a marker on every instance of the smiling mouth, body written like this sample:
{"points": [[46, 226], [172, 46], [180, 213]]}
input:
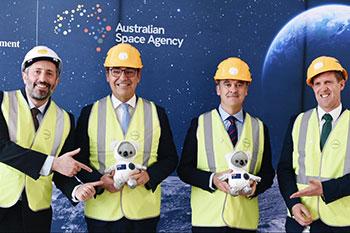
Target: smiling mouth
{"points": [[123, 84], [324, 95], [42, 85]]}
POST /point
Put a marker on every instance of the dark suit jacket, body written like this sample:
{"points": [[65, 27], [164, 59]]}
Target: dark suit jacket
{"points": [[189, 173], [332, 189], [166, 161], [29, 161]]}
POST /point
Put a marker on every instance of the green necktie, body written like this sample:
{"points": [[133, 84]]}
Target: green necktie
{"points": [[326, 129]]}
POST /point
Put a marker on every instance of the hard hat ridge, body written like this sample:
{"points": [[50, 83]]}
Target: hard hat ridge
{"points": [[39, 53], [233, 68], [323, 64], [123, 55]]}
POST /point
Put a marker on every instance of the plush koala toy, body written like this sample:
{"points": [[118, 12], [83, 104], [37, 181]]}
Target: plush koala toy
{"points": [[239, 178], [124, 153]]}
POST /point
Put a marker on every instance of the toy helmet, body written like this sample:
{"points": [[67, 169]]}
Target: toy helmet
{"points": [[39, 53], [233, 68], [123, 55], [323, 64]]}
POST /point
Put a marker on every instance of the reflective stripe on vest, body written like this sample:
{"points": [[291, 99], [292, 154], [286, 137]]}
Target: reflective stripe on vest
{"points": [[211, 154], [309, 162], [101, 138], [144, 131], [48, 139]]}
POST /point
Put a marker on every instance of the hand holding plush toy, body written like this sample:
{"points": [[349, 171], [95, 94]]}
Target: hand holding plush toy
{"points": [[124, 153], [239, 179]]}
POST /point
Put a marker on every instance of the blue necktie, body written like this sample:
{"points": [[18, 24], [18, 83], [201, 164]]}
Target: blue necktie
{"points": [[326, 129], [232, 130], [125, 117]]}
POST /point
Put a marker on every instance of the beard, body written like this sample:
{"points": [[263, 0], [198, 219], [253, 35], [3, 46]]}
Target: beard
{"points": [[39, 94]]}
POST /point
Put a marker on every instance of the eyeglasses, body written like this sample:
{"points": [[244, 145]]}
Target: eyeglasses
{"points": [[117, 72]]}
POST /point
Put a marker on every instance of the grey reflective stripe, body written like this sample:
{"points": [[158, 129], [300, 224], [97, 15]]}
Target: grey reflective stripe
{"points": [[59, 131], [301, 177], [208, 140], [347, 158], [101, 134], [13, 115], [148, 132], [305, 179], [256, 135]]}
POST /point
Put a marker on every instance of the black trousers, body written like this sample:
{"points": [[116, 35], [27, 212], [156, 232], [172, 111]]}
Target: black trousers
{"points": [[316, 227], [219, 229], [20, 218], [122, 225]]}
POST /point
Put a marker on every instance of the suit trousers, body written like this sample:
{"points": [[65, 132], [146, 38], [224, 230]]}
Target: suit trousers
{"points": [[20, 218], [315, 227], [122, 225]]}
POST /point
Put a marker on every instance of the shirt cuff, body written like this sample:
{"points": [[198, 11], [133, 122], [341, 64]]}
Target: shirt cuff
{"points": [[74, 199], [211, 182], [46, 168]]}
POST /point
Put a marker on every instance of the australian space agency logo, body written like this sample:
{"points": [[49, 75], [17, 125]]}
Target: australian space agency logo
{"points": [[145, 34]]}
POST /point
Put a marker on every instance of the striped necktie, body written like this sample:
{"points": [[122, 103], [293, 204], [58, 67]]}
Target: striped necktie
{"points": [[232, 130]]}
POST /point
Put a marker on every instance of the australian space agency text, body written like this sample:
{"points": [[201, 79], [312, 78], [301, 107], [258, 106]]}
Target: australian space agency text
{"points": [[156, 41]]}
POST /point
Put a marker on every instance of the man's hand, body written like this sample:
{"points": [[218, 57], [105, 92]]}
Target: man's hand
{"points": [[66, 165], [252, 185], [301, 214], [314, 189], [108, 182], [86, 191], [141, 177], [221, 184]]}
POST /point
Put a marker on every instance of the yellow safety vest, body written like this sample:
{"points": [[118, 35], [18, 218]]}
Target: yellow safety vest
{"points": [[219, 209], [48, 139], [104, 130], [333, 162]]}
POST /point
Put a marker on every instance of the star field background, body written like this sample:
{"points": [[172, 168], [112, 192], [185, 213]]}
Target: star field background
{"points": [[178, 79]]}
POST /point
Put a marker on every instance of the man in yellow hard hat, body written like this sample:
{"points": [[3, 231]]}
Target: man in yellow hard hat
{"points": [[36, 137], [222, 131], [124, 117], [314, 168]]}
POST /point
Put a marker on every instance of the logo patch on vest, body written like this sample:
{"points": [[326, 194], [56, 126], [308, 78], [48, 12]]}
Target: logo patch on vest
{"points": [[135, 135], [335, 144], [47, 134], [246, 143]]}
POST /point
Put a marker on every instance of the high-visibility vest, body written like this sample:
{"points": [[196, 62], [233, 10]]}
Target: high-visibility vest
{"points": [[48, 139], [218, 209], [104, 131], [333, 162]]}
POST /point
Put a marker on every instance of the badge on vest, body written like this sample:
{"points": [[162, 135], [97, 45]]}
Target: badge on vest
{"points": [[47, 134]]}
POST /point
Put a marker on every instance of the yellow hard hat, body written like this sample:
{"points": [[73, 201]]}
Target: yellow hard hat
{"points": [[323, 64], [123, 55], [233, 68]]}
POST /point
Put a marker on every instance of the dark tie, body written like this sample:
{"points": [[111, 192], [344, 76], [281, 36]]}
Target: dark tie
{"points": [[326, 129], [35, 113], [232, 129]]}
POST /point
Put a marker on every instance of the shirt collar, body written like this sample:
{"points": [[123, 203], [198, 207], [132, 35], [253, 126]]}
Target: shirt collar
{"points": [[116, 102], [41, 108], [335, 113], [224, 114]]}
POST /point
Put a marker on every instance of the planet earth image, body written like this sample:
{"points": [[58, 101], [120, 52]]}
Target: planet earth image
{"points": [[319, 31]]}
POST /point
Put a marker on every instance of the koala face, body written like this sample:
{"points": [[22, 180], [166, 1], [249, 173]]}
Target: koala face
{"points": [[239, 159], [126, 150]]}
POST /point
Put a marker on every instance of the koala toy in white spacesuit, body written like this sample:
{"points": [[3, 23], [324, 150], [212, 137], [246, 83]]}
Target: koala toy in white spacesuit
{"points": [[124, 153], [239, 179]]}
